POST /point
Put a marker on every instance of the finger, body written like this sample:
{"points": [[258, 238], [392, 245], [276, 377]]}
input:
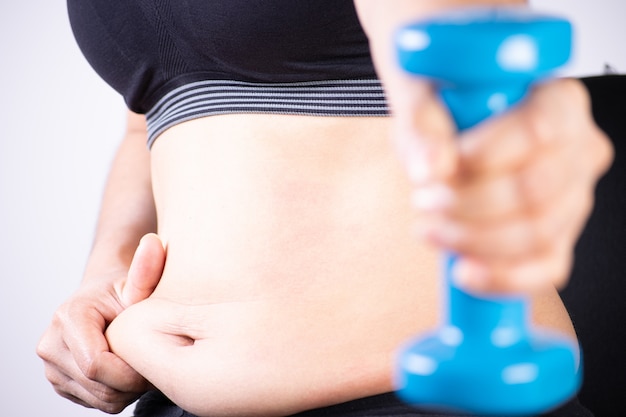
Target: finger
{"points": [[84, 338], [524, 276], [424, 133], [505, 195], [74, 399], [109, 403], [113, 372], [145, 270], [513, 238], [554, 114], [70, 382], [92, 395]]}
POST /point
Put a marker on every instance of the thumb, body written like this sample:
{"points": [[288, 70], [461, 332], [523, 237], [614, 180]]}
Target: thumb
{"points": [[145, 270], [424, 133]]}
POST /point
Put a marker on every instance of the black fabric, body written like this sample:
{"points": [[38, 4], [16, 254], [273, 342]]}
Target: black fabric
{"points": [[155, 404], [595, 294], [146, 48]]}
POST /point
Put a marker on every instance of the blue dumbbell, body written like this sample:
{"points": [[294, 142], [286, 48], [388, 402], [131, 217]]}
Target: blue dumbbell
{"points": [[485, 359]]}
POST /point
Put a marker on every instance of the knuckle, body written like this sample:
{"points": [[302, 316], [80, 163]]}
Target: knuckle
{"points": [[112, 402], [68, 395], [56, 379], [62, 316], [107, 397], [47, 348], [569, 94], [105, 407], [558, 109], [43, 350], [574, 92], [605, 150], [562, 270], [112, 409]]}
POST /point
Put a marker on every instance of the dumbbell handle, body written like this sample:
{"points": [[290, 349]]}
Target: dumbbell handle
{"points": [[484, 61]]}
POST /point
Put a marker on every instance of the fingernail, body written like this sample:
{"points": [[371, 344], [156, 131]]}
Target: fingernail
{"points": [[430, 198], [419, 172], [418, 163], [470, 274], [142, 242]]}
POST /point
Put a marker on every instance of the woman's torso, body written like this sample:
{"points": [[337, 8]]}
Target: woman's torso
{"points": [[292, 275]]}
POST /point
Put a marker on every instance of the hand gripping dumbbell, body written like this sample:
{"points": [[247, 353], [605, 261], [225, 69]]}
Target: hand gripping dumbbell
{"points": [[485, 358]]}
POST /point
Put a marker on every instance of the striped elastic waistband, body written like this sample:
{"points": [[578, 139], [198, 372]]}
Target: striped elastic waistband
{"points": [[315, 98]]}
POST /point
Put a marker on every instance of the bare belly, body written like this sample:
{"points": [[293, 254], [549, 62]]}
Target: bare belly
{"points": [[292, 276]]}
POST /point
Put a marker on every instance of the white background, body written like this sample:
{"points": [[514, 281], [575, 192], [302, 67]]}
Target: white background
{"points": [[59, 127]]}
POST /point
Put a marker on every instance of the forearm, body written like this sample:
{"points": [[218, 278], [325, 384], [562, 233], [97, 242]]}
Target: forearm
{"points": [[127, 211]]}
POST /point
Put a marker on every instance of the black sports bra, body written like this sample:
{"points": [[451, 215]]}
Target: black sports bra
{"points": [[175, 60]]}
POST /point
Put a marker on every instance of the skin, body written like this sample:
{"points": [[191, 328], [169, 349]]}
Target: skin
{"points": [[538, 199]]}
